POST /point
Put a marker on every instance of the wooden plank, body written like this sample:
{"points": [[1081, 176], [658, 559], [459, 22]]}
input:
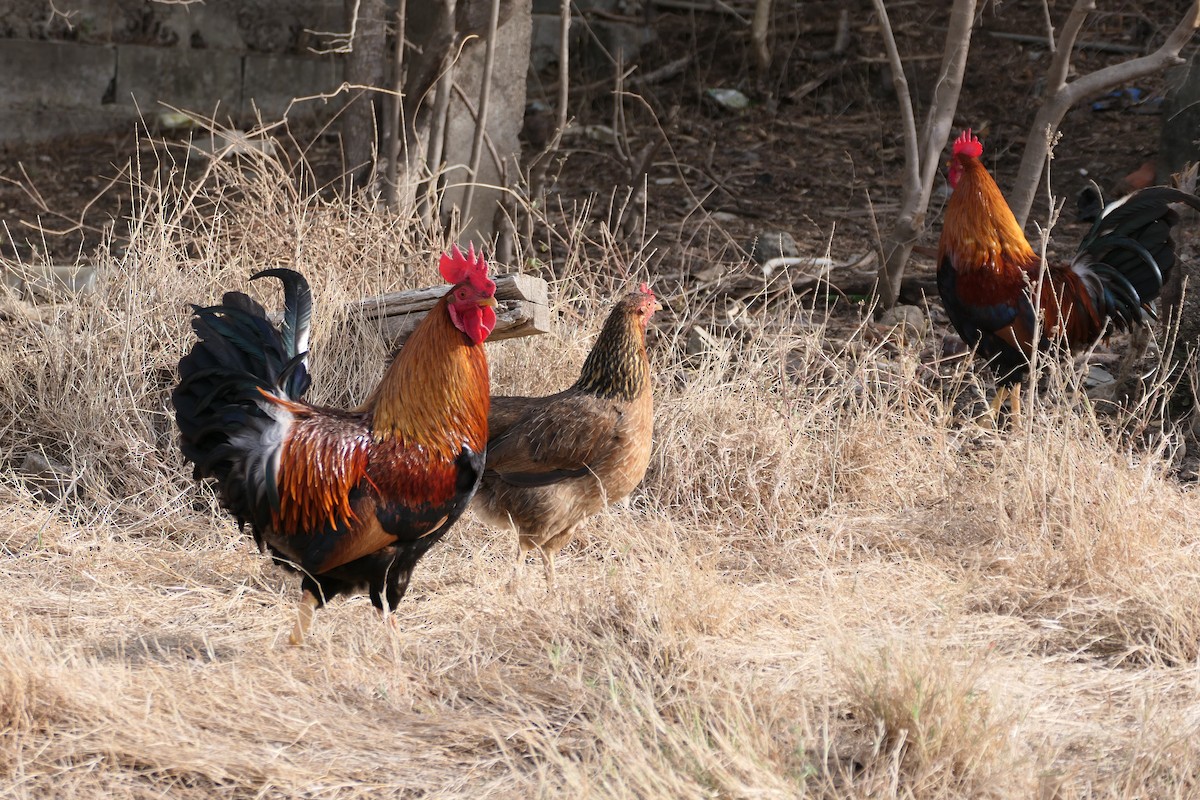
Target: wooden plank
{"points": [[508, 287], [523, 309]]}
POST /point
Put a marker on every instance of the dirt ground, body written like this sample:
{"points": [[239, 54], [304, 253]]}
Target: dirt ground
{"points": [[818, 153]]}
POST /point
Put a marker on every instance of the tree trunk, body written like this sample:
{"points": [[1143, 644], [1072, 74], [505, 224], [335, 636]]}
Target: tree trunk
{"points": [[364, 68], [922, 160]]}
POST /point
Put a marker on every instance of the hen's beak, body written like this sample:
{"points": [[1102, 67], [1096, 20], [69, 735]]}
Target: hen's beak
{"points": [[490, 302], [657, 306]]}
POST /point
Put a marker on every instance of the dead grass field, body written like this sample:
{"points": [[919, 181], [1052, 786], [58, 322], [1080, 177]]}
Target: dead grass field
{"points": [[831, 583]]}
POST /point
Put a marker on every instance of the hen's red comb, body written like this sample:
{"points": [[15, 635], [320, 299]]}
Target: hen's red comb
{"points": [[968, 145], [645, 289], [457, 267]]}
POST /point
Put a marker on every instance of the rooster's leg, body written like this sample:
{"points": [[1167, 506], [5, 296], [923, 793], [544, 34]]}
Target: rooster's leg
{"points": [[304, 615], [1002, 392], [1014, 402]]}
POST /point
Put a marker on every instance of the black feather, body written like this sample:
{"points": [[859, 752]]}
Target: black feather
{"points": [[1129, 249], [297, 307]]}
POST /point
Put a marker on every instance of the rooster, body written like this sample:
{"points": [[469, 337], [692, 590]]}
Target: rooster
{"points": [[350, 499], [989, 282], [554, 461]]}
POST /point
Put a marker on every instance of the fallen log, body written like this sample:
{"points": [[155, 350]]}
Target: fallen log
{"points": [[522, 309]]}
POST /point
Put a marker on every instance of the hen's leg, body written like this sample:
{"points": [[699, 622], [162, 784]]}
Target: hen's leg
{"points": [[304, 615], [513, 582], [1014, 403], [548, 566]]}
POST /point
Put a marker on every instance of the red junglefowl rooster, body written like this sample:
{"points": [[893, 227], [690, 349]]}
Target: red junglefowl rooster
{"points": [[554, 461], [351, 499], [988, 273]]}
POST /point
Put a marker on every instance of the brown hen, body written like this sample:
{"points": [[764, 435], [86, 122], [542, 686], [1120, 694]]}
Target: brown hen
{"points": [[554, 461]]}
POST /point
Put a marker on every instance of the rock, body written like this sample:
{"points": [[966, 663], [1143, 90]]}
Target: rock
{"points": [[224, 144], [767, 246], [1097, 376], [908, 321], [727, 99], [700, 341], [49, 480], [47, 283]]}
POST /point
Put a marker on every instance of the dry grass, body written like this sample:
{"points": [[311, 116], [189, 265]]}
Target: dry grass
{"points": [[831, 584]]}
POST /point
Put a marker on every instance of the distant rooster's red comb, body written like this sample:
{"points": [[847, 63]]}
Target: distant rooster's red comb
{"points": [[457, 267], [968, 145]]}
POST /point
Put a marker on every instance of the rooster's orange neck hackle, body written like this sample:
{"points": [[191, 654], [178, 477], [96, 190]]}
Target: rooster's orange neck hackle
{"points": [[980, 232], [421, 399]]}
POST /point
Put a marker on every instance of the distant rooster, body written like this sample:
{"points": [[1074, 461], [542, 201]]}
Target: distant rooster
{"points": [[988, 273], [351, 499], [554, 461]]}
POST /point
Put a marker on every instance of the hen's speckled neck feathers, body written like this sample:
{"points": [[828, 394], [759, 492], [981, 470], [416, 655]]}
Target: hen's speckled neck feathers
{"points": [[617, 368]]}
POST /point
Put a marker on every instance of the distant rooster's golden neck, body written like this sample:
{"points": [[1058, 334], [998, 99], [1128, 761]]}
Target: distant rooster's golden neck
{"points": [[979, 230], [435, 392], [617, 368]]}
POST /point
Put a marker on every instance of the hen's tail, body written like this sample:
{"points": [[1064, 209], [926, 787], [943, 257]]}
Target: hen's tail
{"points": [[1130, 252], [228, 430]]}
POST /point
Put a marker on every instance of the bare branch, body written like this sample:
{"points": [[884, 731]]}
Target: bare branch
{"points": [[1049, 25], [396, 105], [945, 96], [1065, 95], [339, 42], [759, 28], [912, 155], [564, 65], [1056, 76]]}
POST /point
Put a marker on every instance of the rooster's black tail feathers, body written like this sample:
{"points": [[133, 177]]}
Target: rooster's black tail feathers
{"points": [[223, 418], [1130, 250]]}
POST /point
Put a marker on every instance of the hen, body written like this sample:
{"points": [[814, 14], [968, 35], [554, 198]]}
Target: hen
{"points": [[554, 461], [988, 273], [350, 499]]}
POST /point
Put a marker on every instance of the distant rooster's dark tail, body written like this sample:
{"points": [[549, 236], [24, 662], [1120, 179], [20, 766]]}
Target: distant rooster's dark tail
{"points": [[1130, 251], [228, 430]]}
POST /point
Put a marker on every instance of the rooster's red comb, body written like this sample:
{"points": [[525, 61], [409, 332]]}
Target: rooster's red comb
{"points": [[968, 145], [457, 267]]}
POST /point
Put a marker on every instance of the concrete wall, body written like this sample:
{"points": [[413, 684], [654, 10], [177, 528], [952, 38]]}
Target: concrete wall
{"points": [[104, 65], [50, 89]]}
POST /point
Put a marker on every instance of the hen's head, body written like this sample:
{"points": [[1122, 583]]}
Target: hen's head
{"points": [[641, 305], [472, 299], [966, 146]]}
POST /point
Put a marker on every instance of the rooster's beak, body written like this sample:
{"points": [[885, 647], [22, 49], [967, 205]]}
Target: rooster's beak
{"points": [[490, 302]]}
